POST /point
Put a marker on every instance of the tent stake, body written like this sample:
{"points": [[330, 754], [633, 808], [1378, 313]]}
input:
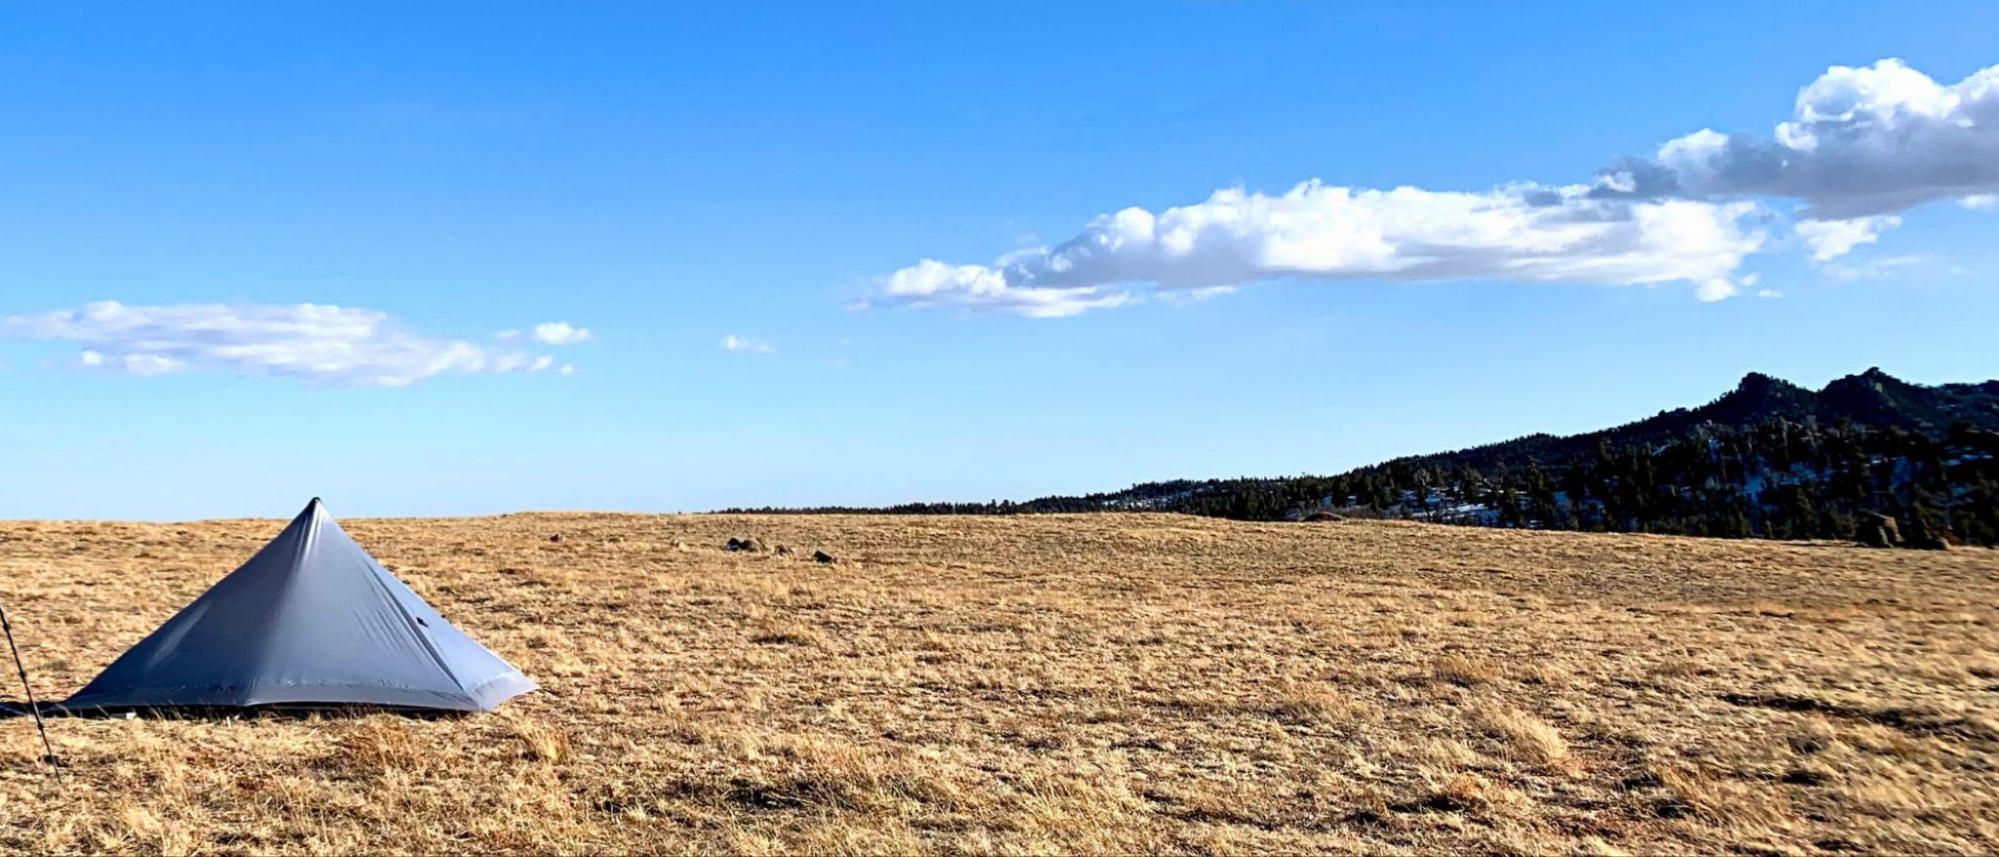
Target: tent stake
{"points": [[34, 707]]}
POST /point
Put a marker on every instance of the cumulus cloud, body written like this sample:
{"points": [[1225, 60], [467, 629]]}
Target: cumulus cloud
{"points": [[1319, 231], [1861, 145], [560, 333], [738, 345], [328, 344], [1861, 141], [1831, 239]]}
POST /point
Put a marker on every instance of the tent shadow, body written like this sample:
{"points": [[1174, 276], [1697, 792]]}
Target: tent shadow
{"points": [[13, 708]]}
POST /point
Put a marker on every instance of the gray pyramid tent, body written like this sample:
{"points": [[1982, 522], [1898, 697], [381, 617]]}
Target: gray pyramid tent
{"points": [[312, 619]]}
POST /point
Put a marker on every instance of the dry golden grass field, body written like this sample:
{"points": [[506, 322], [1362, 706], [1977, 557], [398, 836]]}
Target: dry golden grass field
{"points": [[1114, 683]]}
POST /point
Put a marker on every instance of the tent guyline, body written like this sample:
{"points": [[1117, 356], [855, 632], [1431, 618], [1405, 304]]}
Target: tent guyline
{"points": [[34, 708], [310, 620]]}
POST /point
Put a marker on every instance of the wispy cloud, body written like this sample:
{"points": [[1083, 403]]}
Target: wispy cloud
{"points": [[1872, 269], [739, 345], [522, 362], [547, 333], [1862, 144], [314, 342], [1831, 239]]}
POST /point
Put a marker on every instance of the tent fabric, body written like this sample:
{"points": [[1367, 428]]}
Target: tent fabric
{"points": [[311, 619]]}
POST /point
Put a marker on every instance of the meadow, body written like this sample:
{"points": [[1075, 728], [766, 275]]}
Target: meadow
{"points": [[1057, 684]]}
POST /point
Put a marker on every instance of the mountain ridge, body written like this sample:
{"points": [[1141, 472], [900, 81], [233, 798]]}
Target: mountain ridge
{"points": [[1872, 398], [1767, 458]]}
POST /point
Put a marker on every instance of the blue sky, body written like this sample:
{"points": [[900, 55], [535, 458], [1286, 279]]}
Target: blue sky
{"points": [[664, 178]]}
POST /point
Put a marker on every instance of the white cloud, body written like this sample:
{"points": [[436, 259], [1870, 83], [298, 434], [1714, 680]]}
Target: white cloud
{"points": [[1861, 145], [1195, 296], [327, 344], [517, 362], [1716, 289], [1831, 239], [1750, 281], [151, 364], [933, 283], [1317, 231], [1861, 141], [738, 345], [567, 369], [560, 333]]}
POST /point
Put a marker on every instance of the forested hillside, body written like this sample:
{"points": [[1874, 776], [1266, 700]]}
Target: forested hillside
{"points": [[1768, 459]]}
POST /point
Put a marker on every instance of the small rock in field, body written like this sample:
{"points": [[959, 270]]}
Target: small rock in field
{"points": [[822, 557], [1876, 530], [1918, 534], [783, 550], [555, 538]]}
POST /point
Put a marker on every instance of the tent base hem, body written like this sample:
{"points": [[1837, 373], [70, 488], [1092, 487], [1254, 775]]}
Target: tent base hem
{"points": [[485, 698]]}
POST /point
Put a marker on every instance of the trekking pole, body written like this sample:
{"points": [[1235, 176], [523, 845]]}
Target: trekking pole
{"points": [[34, 708]]}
